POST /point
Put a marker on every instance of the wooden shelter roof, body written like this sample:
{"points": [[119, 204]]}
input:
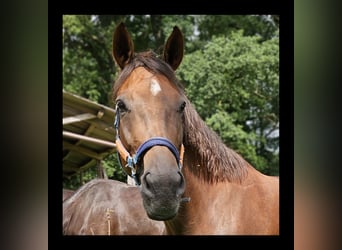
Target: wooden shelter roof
{"points": [[88, 133]]}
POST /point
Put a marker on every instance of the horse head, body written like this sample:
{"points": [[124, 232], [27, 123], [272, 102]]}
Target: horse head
{"points": [[150, 104]]}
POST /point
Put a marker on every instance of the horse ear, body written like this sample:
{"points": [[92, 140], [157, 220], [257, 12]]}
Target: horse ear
{"points": [[174, 47], [123, 47]]}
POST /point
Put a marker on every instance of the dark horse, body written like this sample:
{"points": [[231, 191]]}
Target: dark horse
{"points": [[187, 176], [107, 207]]}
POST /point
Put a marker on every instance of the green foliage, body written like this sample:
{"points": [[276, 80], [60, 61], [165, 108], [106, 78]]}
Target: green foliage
{"points": [[230, 71], [88, 68], [264, 26], [233, 82], [113, 169]]}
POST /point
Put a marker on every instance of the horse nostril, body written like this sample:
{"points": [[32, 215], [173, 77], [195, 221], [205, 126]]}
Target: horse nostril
{"points": [[181, 187], [145, 180], [181, 178], [153, 184]]}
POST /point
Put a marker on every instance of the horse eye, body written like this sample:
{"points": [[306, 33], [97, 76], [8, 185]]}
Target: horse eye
{"points": [[121, 106], [182, 107]]}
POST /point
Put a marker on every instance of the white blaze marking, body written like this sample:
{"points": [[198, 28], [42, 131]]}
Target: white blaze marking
{"points": [[154, 87]]}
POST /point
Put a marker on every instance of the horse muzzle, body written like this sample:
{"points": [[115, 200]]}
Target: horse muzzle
{"points": [[162, 184]]}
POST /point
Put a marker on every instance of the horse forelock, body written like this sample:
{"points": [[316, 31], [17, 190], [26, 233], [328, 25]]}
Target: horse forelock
{"points": [[151, 62], [211, 159]]}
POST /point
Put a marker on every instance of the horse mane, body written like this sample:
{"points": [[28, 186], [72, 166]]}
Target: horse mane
{"points": [[202, 145], [214, 161]]}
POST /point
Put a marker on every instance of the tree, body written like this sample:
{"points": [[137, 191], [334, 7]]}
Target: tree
{"points": [[233, 82], [88, 68]]}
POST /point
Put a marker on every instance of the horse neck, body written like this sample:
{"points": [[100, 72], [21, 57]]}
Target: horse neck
{"points": [[205, 153], [218, 182], [208, 164], [226, 207], [195, 213]]}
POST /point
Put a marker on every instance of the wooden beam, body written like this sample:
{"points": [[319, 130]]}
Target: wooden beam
{"points": [[79, 169], [89, 139], [89, 164], [80, 149], [87, 152], [106, 122], [88, 131], [78, 118], [101, 171]]}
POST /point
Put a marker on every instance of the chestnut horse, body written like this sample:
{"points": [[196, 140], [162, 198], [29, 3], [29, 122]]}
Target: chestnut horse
{"points": [[107, 207], [187, 176]]}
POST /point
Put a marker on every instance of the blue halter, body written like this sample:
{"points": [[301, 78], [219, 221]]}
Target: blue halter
{"points": [[135, 160]]}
